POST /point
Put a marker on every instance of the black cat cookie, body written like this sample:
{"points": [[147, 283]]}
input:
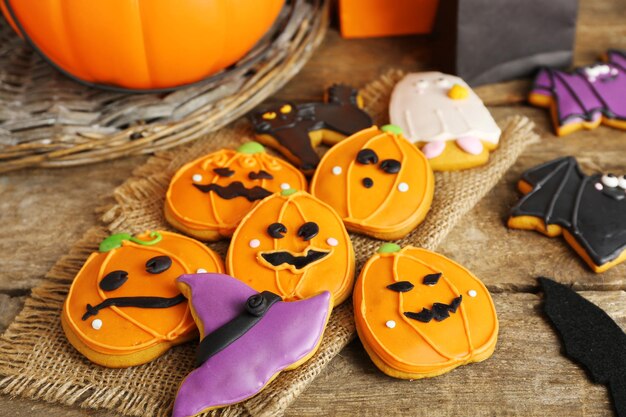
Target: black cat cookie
{"points": [[296, 129], [590, 211]]}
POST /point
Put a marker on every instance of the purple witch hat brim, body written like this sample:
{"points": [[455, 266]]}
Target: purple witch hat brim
{"points": [[288, 333]]}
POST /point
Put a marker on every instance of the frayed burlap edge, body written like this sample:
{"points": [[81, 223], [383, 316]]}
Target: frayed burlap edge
{"points": [[38, 363]]}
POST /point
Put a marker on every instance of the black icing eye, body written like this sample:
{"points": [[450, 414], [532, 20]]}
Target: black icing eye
{"points": [[277, 230], [308, 230], [224, 172], [366, 157], [390, 166], [113, 280], [431, 279], [401, 286], [368, 182], [261, 175], [158, 264]]}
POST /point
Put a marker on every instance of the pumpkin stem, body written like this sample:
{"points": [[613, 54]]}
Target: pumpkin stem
{"points": [[389, 248], [251, 148], [115, 241], [392, 129], [288, 192]]}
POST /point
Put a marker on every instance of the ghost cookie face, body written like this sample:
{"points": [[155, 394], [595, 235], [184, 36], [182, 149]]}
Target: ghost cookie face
{"points": [[420, 315], [295, 246], [209, 196], [378, 182], [443, 116], [124, 308]]}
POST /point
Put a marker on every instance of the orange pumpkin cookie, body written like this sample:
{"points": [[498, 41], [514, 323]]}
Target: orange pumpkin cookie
{"points": [[420, 315], [124, 307], [209, 196], [379, 183], [293, 245]]}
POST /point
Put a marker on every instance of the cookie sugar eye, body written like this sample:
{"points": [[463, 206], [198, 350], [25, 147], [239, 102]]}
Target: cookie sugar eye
{"points": [[610, 180], [621, 182], [421, 84], [442, 82], [276, 230]]}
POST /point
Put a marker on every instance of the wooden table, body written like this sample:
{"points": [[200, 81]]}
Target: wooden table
{"points": [[42, 212]]}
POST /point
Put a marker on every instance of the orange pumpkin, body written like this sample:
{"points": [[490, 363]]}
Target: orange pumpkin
{"points": [[208, 197], [145, 44], [124, 307], [378, 182], [293, 245], [419, 314]]}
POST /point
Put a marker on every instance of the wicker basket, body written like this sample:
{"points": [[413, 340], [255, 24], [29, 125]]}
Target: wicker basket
{"points": [[48, 120]]}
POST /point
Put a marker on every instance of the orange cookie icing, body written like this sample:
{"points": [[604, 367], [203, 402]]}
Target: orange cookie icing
{"points": [[419, 314], [293, 245], [209, 196], [378, 182], [106, 312]]}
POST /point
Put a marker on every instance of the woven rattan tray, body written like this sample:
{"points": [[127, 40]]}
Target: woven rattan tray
{"points": [[48, 120]]}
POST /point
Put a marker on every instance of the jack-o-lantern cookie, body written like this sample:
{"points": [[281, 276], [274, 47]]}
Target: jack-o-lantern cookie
{"points": [[294, 245], [297, 129], [590, 211], [420, 315], [247, 339], [378, 182], [208, 197], [124, 307], [443, 116]]}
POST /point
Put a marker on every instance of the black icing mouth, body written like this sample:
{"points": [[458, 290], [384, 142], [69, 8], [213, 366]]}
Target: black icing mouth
{"points": [[141, 302], [298, 262], [439, 311], [235, 189], [615, 193]]}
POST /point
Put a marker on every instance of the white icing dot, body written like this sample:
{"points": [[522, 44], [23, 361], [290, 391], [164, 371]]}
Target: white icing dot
{"points": [[403, 187], [336, 170], [610, 180], [255, 243], [598, 186], [201, 271], [196, 178], [285, 186], [391, 324], [96, 324], [472, 293], [332, 241], [621, 181]]}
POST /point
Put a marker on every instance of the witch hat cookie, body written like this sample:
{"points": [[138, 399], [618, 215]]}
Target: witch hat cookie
{"points": [[247, 339]]}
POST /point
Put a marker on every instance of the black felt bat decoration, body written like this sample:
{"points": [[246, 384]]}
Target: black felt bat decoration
{"points": [[590, 337]]}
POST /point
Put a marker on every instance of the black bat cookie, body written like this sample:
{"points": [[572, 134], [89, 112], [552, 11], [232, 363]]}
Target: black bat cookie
{"points": [[295, 129], [589, 210]]}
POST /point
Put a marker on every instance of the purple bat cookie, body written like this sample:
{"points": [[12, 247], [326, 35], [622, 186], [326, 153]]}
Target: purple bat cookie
{"points": [[247, 338], [587, 95]]}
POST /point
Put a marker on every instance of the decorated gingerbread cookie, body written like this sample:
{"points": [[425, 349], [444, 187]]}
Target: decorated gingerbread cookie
{"points": [[297, 129], [586, 97], [445, 118], [295, 246], [590, 211], [246, 339], [209, 196], [124, 307], [420, 315], [378, 182]]}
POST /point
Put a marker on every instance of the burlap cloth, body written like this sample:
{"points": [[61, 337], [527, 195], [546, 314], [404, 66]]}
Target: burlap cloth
{"points": [[36, 360]]}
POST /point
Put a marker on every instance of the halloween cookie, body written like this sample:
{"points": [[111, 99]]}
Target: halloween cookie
{"points": [[295, 246], [247, 339], [585, 97], [378, 182], [124, 307], [420, 315], [443, 116], [588, 210], [297, 129], [209, 196]]}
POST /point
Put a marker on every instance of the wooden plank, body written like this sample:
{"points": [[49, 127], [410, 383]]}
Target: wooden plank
{"points": [[526, 376]]}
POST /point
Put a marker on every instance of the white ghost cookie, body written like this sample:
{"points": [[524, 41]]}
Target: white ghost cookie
{"points": [[443, 116]]}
